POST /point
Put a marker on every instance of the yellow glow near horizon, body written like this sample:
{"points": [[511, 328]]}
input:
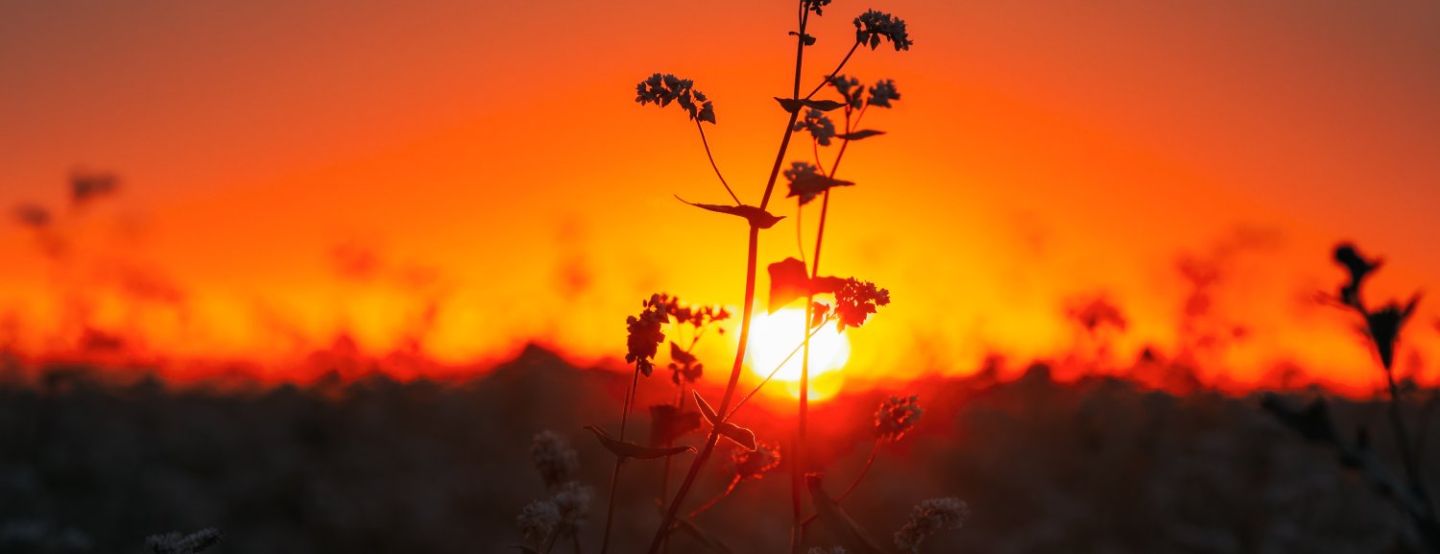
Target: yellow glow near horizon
{"points": [[775, 335]]}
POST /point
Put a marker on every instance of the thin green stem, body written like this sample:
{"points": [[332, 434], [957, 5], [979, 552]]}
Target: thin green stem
{"points": [[734, 482], [713, 165], [615, 475], [855, 483], [832, 74]]}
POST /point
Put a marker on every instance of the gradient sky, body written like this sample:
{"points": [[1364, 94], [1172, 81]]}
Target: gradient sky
{"points": [[487, 166]]}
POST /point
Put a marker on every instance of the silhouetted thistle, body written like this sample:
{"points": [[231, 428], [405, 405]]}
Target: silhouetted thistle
{"points": [[873, 25], [178, 543], [928, 518], [896, 417], [554, 459]]}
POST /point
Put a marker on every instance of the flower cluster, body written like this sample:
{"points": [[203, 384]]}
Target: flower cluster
{"points": [[930, 517], [819, 126], [544, 521], [554, 459], [816, 6], [1384, 324], [855, 300], [849, 88], [644, 333], [896, 417], [873, 25], [177, 543], [882, 93], [754, 464], [798, 174], [664, 89]]}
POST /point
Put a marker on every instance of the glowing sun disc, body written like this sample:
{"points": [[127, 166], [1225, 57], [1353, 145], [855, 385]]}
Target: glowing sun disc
{"points": [[774, 336]]}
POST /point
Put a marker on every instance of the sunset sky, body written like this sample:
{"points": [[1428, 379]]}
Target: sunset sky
{"points": [[469, 176]]}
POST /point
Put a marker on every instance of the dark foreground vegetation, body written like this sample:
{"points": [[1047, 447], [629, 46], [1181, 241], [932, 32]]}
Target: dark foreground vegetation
{"points": [[374, 465]]}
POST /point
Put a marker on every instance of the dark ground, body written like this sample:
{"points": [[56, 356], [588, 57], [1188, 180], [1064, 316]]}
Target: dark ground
{"points": [[380, 466]]}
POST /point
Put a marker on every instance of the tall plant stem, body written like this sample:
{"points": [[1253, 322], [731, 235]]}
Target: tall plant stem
{"points": [[1402, 439], [615, 476], [709, 448], [854, 483], [799, 452]]}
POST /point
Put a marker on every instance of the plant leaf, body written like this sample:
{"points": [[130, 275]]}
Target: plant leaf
{"points": [[841, 526], [756, 216], [737, 434], [792, 105], [857, 135], [705, 408], [625, 449], [808, 185], [788, 281]]}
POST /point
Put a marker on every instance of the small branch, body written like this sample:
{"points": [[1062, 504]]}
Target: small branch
{"points": [[615, 475], [734, 482], [711, 157], [865, 470], [773, 372], [838, 67]]}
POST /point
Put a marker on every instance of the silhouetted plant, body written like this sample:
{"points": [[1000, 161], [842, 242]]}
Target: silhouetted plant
{"points": [[559, 516], [853, 300], [1314, 423]]}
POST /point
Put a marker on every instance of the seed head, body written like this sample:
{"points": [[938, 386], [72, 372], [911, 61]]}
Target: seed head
{"points": [[930, 517], [896, 417], [754, 464], [554, 459]]}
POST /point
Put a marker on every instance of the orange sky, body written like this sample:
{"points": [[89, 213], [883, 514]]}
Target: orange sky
{"points": [[485, 155]]}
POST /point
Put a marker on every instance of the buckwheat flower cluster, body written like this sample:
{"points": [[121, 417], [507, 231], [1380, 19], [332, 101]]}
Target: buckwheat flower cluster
{"points": [[661, 90], [855, 300], [818, 125], [798, 174], [883, 93], [644, 334], [1383, 324], [872, 26], [816, 6], [572, 503], [896, 417], [537, 522], [754, 464], [849, 88], [177, 543], [930, 517], [554, 459]]}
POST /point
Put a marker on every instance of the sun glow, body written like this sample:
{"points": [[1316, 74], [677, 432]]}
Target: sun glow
{"points": [[775, 335]]}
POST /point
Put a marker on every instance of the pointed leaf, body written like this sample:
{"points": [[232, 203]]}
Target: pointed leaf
{"points": [[808, 185], [857, 135], [788, 281], [705, 408], [737, 434], [741, 436], [823, 105], [756, 216], [625, 449], [792, 105], [841, 526]]}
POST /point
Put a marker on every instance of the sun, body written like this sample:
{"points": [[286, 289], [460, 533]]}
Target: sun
{"points": [[775, 335]]}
